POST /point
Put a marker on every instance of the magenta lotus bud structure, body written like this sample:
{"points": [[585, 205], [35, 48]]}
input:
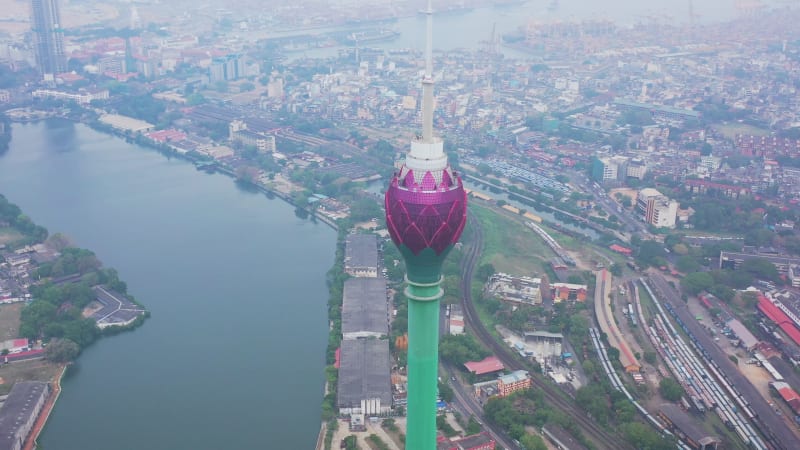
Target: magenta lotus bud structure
{"points": [[427, 213], [420, 218]]}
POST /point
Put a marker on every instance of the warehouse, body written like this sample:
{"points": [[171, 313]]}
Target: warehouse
{"points": [[19, 412], [365, 309], [364, 377], [361, 255]]}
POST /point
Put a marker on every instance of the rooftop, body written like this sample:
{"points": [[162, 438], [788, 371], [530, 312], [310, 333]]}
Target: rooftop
{"points": [[361, 250], [514, 377], [364, 307], [487, 365], [364, 372], [18, 409]]}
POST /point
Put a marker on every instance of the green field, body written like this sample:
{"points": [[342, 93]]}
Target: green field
{"points": [[8, 235], [9, 321], [730, 130], [510, 246]]}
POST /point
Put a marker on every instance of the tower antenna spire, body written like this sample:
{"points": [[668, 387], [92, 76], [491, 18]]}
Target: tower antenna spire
{"points": [[427, 80]]}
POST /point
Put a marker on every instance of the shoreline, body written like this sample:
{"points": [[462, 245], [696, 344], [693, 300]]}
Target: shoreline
{"points": [[165, 150], [31, 442]]}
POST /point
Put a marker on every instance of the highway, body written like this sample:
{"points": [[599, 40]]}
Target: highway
{"points": [[775, 430], [591, 429]]}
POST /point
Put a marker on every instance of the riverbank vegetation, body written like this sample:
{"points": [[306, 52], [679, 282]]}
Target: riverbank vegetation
{"points": [[64, 277]]}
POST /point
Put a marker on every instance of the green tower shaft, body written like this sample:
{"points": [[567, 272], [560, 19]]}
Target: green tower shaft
{"points": [[423, 362]]}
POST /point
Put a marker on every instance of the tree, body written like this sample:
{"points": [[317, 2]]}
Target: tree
{"points": [[473, 427], [58, 242], [461, 348], [446, 392], [646, 438], [670, 389], [485, 271], [696, 282], [533, 442], [761, 269], [351, 442], [61, 350]]}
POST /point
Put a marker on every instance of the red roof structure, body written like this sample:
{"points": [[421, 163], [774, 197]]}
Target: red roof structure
{"points": [[337, 357], [487, 365], [779, 317], [788, 395], [620, 249]]}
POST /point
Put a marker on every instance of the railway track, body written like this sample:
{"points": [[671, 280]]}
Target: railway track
{"points": [[592, 429]]}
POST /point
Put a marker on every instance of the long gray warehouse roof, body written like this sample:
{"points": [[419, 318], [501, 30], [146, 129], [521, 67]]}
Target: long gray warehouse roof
{"points": [[364, 372], [364, 307], [18, 409], [361, 250]]}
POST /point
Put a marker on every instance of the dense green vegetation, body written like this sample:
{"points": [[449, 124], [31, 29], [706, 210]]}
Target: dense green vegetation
{"points": [[670, 389], [12, 215], [528, 408], [458, 349]]}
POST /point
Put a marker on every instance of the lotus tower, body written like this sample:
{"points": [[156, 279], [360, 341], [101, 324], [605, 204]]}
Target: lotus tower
{"points": [[426, 209]]}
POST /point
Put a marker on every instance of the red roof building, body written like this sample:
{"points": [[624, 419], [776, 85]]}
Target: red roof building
{"points": [[779, 317], [480, 441], [487, 365], [788, 395], [621, 250]]}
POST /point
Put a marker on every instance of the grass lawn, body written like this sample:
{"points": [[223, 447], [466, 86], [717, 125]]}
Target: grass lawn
{"points": [[508, 245], [36, 370], [8, 235], [730, 130], [9, 321]]}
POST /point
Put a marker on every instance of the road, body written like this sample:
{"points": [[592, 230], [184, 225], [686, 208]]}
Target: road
{"points": [[467, 405], [591, 429], [771, 425]]}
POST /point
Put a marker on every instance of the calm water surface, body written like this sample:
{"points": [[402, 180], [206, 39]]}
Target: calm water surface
{"points": [[233, 355]]}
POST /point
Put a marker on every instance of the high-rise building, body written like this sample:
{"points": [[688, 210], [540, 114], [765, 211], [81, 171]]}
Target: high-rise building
{"points": [[426, 209], [48, 37], [656, 209]]}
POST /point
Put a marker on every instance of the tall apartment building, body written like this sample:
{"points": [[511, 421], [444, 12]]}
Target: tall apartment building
{"points": [[656, 209], [48, 38], [609, 169], [228, 68]]}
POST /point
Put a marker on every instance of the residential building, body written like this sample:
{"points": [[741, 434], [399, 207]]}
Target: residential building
{"points": [[480, 441], [238, 132], [228, 68], [526, 290], [636, 169], [610, 169], [515, 381], [656, 209], [83, 97], [568, 291], [48, 38]]}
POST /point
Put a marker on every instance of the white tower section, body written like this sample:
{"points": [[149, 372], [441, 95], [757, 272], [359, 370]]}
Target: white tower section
{"points": [[427, 152]]}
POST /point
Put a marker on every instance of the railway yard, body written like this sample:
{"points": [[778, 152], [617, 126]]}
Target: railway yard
{"points": [[728, 409]]}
